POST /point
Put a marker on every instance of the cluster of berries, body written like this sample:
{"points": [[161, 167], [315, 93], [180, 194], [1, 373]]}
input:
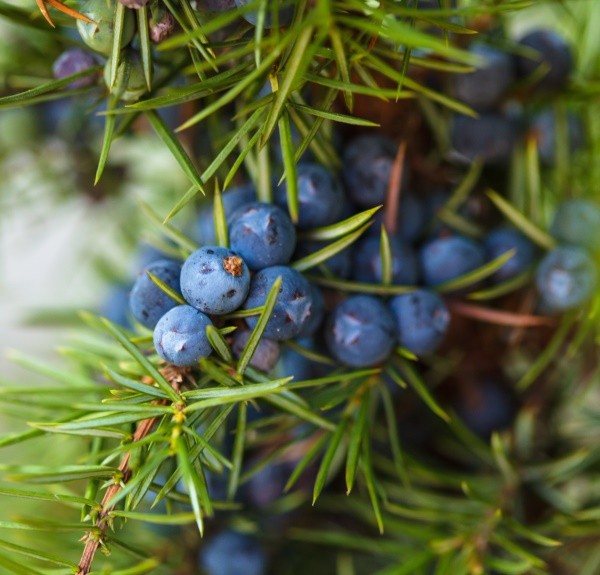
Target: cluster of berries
{"points": [[541, 66], [361, 330], [215, 281]]}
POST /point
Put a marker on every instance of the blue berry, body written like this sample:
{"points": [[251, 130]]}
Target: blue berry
{"points": [[320, 197], [232, 200], [72, 61], [503, 239], [566, 278], [148, 302], [485, 408], [490, 137], [180, 336], [294, 304], [233, 553], [577, 222], [284, 16], [265, 355], [543, 129], [368, 265], [215, 280], [552, 51], [422, 320], [484, 88], [447, 258], [367, 164], [262, 234], [410, 220], [360, 331]]}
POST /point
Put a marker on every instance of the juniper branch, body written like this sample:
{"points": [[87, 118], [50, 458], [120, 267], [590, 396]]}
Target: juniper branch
{"points": [[95, 538]]}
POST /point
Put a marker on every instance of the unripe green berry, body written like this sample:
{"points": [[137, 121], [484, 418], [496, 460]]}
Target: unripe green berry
{"points": [[131, 83], [99, 36]]}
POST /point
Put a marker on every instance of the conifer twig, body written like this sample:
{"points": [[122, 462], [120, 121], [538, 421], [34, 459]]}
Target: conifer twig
{"points": [[93, 540]]}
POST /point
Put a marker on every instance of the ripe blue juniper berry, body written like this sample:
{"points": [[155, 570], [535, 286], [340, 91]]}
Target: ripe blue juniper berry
{"points": [[503, 239], [485, 87], [367, 262], [446, 258], [180, 336], [410, 219], [491, 137], [422, 320], [262, 234], [367, 164], [566, 278], [551, 50], [147, 301], [293, 307], [215, 280], [360, 331], [320, 197]]}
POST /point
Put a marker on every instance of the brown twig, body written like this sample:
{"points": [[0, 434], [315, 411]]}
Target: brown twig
{"points": [[94, 539], [499, 317], [392, 200]]}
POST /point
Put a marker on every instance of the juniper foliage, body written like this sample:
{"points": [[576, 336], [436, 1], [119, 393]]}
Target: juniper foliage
{"points": [[114, 458]]}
